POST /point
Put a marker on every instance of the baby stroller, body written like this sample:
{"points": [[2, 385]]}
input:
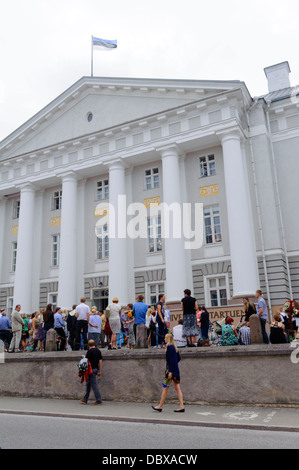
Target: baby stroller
{"points": [[214, 338], [215, 332]]}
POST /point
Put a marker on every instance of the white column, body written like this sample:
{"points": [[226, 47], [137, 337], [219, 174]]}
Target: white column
{"points": [[2, 232], [24, 262], [81, 237], [174, 247], [130, 241], [242, 244], [189, 275], [118, 269], [37, 244], [67, 292]]}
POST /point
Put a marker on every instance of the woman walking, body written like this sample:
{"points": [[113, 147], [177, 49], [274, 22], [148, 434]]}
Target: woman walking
{"points": [[172, 374]]}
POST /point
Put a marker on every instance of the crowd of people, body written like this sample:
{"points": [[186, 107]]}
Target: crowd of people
{"points": [[137, 326], [282, 329]]}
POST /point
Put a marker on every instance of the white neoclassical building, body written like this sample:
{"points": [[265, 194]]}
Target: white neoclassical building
{"points": [[171, 141]]}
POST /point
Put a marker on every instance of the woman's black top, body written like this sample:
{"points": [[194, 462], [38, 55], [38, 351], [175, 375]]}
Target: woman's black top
{"points": [[249, 312], [188, 305], [49, 323], [277, 335], [205, 319]]}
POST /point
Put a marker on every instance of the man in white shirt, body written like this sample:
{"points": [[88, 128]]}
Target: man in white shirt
{"points": [[82, 315], [180, 341]]}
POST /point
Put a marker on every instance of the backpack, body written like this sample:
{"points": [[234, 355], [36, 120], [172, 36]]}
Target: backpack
{"points": [[83, 365]]}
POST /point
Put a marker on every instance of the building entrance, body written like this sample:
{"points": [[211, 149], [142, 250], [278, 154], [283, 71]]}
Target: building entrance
{"points": [[100, 298]]}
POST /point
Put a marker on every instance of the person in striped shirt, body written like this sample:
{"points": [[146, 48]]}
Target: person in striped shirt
{"points": [[244, 334]]}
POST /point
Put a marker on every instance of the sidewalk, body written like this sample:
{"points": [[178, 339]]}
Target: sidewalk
{"points": [[243, 417]]}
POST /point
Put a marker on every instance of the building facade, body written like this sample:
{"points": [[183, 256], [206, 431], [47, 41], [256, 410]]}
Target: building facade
{"points": [[154, 141]]}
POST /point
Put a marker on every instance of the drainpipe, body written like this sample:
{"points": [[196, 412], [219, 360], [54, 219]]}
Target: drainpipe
{"points": [[284, 243], [258, 208]]}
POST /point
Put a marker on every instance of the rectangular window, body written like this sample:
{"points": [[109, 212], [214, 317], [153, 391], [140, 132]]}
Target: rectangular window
{"points": [[212, 225], [56, 200], [217, 288], [14, 256], [16, 209], [52, 299], [153, 291], [207, 166], [102, 242], [154, 234], [55, 250], [152, 178], [102, 190]]}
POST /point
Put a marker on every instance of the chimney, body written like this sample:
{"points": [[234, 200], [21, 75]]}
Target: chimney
{"points": [[278, 76]]}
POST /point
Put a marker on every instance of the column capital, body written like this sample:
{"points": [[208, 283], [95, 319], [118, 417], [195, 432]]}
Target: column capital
{"points": [[27, 187], [231, 134], [117, 164], [169, 150], [68, 176]]}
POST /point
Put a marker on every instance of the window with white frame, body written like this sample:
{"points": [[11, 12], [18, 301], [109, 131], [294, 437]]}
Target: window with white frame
{"points": [[152, 178], [212, 224], [217, 291], [153, 291], [55, 250], [154, 234], [207, 165], [102, 242], [56, 200], [52, 299], [102, 190], [16, 209], [9, 306], [14, 256]]}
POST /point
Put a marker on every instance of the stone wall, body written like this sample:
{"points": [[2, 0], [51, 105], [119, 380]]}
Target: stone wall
{"points": [[255, 374]]}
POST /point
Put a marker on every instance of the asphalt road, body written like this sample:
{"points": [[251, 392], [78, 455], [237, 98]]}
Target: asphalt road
{"points": [[36, 432]]}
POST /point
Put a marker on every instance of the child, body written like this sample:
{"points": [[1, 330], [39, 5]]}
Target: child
{"points": [[129, 323]]}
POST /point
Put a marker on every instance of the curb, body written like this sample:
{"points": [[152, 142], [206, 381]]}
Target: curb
{"points": [[153, 421]]}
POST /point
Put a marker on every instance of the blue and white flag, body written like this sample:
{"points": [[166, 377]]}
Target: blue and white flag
{"points": [[104, 43]]}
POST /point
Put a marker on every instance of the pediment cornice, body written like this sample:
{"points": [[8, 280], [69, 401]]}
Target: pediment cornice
{"points": [[191, 90]]}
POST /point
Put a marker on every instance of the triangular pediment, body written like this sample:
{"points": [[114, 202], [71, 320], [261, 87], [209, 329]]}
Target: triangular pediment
{"points": [[111, 102]]}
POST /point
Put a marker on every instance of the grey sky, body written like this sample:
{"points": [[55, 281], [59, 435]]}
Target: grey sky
{"points": [[45, 45]]}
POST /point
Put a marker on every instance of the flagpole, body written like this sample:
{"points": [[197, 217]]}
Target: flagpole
{"points": [[92, 56]]}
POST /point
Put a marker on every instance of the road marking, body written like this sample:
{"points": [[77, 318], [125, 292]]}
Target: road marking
{"points": [[269, 417], [241, 415], [207, 413]]}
